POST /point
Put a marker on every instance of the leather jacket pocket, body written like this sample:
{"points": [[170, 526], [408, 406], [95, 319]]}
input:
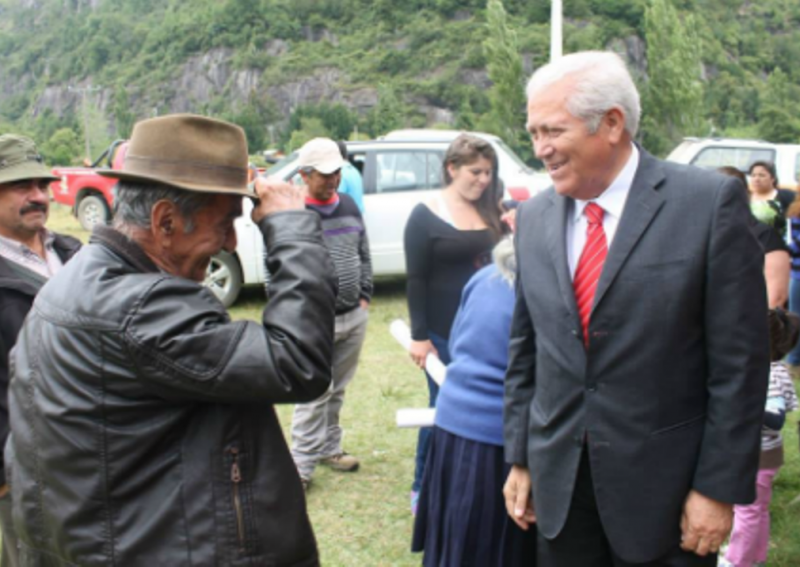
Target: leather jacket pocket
{"points": [[239, 499]]}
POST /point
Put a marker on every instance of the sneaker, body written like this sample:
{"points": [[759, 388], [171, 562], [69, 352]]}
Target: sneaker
{"points": [[342, 462], [414, 502]]}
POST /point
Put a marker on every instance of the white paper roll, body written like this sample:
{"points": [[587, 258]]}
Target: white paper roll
{"points": [[416, 417], [433, 365]]}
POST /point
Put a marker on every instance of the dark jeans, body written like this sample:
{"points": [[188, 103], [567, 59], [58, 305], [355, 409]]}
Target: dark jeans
{"points": [[423, 441], [583, 543]]}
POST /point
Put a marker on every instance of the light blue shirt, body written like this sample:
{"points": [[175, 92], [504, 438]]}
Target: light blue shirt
{"points": [[352, 184]]}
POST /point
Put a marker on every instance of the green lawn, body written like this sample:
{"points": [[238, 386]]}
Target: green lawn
{"points": [[363, 518]]}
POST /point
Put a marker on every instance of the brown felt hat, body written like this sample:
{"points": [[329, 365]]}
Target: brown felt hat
{"points": [[188, 152], [20, 160]]}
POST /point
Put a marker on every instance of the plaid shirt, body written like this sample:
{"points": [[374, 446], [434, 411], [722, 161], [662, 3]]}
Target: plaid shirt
{"points": [[15, 251]]}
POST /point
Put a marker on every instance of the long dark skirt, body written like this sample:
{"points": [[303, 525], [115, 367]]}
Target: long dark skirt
{"points": [[461, 518]]}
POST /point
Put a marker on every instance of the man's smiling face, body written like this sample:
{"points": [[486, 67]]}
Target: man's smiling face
{"points": [[24, 207], [578, 161]]}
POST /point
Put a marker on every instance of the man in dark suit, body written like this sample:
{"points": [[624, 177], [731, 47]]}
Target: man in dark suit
{"points": [[639, 350]]}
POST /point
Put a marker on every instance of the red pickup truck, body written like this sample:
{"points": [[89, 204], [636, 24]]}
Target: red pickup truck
{"points": [[89, 195]]}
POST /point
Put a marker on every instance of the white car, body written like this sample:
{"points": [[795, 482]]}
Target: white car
{"points": [[400, 170], [711, 153]]}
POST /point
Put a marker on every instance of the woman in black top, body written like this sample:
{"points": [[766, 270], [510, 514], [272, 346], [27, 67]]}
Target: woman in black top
{"points": [[768, 203], [777, 262], [446, 241]]}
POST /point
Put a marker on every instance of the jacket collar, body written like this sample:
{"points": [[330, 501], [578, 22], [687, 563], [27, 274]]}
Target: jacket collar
{"points": [[65, 246], [124, 247]]}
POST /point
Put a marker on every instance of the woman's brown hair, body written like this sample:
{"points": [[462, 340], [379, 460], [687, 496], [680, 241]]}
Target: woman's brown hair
{"points": [[465, 150]]}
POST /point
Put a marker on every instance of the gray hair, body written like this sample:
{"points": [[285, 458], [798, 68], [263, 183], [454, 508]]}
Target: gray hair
{"points": [[505, 259], [133, 203], [602, 82]]}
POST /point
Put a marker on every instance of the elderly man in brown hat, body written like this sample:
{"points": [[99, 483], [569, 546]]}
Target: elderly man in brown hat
{"points": [[29, 255], [143, 431]]}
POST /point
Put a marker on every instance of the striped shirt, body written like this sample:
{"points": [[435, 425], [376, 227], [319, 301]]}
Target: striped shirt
{"points": [[346, 240], [781, 397], [19, 253]]}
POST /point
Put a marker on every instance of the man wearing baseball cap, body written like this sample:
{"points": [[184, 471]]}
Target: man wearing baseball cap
{"points": [[29, 255], [142, 423], [316, 433]]}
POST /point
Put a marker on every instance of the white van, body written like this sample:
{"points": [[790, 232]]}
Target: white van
{"points": [[711, 153], [400, 170]]}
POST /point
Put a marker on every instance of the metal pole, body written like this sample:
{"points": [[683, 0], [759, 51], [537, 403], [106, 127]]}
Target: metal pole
{"points": [[85, 111], [86, 126], [556, 30]]}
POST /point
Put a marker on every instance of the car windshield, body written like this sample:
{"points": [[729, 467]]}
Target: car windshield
{"points": [[275, 169]]}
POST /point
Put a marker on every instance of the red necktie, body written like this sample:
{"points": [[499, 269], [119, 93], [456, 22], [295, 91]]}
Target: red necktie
{"points": [[590, 265]]}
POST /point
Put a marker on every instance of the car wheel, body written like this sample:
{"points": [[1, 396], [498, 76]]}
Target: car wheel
{"points": [[92, 210], [224, 278]]}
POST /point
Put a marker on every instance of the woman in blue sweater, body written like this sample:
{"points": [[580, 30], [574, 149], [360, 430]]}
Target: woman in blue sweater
{"points": [[461, 519]]}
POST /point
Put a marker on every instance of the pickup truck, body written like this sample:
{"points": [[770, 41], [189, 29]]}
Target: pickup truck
{"points": [[89, 195]]}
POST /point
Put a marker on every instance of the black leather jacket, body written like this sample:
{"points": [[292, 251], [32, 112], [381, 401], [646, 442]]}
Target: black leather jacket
{"points": [[143, 431], [16, 298]]}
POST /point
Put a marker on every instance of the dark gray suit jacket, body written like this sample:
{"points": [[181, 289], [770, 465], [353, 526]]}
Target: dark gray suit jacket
{"points": [[672, 388]]}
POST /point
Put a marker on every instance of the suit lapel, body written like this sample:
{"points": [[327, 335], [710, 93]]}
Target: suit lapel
{"points": [[643, 203], [557, 243]]}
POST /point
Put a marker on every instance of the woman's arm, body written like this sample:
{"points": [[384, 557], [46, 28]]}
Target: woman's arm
{"points": [[777, 267], [416, 243]]}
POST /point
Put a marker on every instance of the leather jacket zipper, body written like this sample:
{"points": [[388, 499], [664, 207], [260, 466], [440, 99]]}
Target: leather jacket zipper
{"points": [[236, 478]]}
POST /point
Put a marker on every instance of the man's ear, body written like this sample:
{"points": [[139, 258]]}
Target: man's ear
{"points": [[164, 222], [614, 119]]}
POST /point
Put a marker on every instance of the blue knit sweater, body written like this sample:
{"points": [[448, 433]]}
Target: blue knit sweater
{"points": [[470, 403]]}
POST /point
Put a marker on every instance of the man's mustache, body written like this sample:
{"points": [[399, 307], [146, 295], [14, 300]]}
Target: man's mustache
{"points": [[33, 207]]}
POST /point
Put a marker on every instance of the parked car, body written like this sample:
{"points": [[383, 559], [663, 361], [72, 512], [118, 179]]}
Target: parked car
{"points": [[400, 170], [89, 195], [711, 153]]}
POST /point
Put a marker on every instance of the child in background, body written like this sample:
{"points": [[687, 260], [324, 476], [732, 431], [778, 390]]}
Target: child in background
{"points": [[749, 540]]}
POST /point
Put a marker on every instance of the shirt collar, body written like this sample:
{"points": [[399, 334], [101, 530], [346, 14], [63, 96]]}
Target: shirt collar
{"points": [[612, 200], [10, 244]]}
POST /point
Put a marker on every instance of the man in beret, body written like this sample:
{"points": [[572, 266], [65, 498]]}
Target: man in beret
{"points": [[142, 423], [29, 255]]}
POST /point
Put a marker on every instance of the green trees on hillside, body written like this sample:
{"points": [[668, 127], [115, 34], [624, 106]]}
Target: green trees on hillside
{"points": [[778, 119], [506, 95], [673, 97], [711, 65]]}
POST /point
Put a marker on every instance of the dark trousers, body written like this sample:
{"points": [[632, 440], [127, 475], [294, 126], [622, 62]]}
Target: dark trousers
{"points": [[583, 543], [423, 441]]}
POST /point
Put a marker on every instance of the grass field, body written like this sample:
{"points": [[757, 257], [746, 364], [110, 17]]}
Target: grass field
{"points": [[363, 519]]}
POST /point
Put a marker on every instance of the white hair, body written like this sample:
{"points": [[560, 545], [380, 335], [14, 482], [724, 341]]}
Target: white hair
{"points": [[601, 82]]}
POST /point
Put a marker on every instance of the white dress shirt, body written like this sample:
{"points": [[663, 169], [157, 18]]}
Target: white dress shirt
{"points": [[14, 251], [612, 201]]}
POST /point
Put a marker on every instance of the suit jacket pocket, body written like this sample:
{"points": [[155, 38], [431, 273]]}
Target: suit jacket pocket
{"points": [[681, 425], [657, 270]]}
